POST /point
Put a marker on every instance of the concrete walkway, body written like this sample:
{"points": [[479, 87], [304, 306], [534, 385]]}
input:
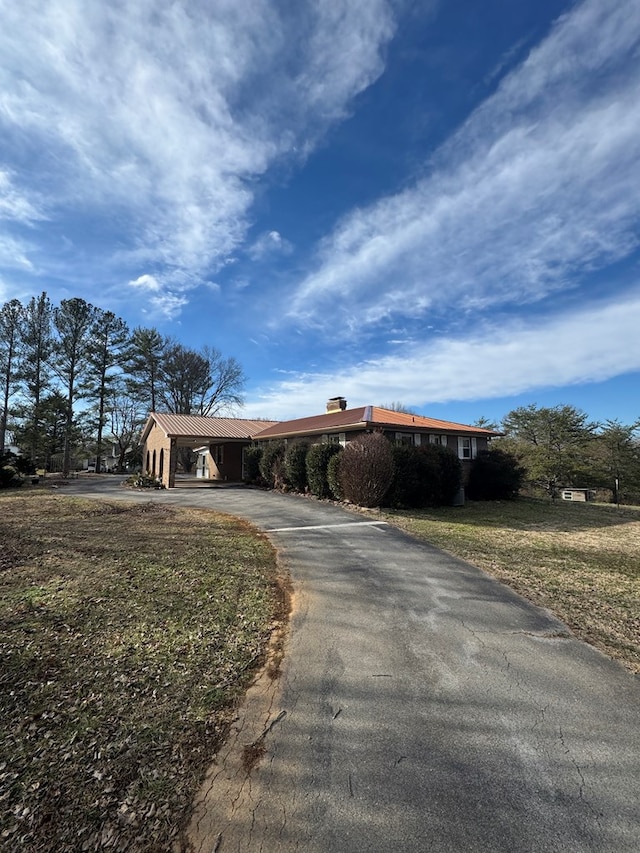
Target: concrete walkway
{"points": [[422, 706]]}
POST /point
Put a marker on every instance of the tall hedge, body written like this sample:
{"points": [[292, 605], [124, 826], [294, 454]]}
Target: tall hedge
{"points": [[333, 476], [317, 462], [366, 469], [495, 475], [430, 475], [272, 464], [416, 479], [295, 465], [450, 473], [252, 457]]}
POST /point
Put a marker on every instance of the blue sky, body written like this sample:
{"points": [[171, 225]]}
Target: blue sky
{"points": [[433, 203]]}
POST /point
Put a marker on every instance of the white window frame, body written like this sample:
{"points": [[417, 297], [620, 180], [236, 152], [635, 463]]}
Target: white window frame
{"points": [[335, 438], [438, 439], [467, 447], [401, 436]]}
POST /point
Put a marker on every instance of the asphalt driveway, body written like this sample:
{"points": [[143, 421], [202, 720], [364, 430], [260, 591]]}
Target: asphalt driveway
{"points": [[422, 706]]}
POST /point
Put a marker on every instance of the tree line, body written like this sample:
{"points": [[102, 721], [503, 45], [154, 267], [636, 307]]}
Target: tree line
{"points": [[74, 376], [560, 447]]}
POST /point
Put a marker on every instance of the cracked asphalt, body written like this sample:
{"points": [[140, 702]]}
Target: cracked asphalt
{"points": [[422, 706]]}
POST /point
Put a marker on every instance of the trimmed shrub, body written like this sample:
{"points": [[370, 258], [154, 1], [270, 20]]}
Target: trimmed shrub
{"points": [[317, 462], [495, 475], [272, 464], [424, 476], [414, 477], [450, 474], [333, 476], [252, 457], [366, 469], [295, 465]]}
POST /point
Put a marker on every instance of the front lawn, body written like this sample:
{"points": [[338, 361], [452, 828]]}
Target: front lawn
{"points": [[127, 634]]}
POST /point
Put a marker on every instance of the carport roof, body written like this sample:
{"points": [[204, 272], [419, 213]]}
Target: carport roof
{"points": [[196, 426]]}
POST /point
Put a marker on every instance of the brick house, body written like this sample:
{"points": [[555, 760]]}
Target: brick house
{"points": [[220, 442], [340, 425]]}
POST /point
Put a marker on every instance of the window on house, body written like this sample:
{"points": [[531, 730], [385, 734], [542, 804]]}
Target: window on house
{"points": [[335, 438], [404, 438], [218, 454], [467, 448], [438, 439]]}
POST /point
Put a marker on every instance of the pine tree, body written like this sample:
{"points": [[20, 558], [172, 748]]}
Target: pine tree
{"points": [[73, 321], [106, 355], [10, 319], [35, 370]]}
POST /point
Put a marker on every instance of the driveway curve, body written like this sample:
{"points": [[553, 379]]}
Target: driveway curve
{"points": [[422, 706]]}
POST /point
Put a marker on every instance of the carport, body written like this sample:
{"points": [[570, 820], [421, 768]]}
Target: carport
{"points": [[220, 440]]}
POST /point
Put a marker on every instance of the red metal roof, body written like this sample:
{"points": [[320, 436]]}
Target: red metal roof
{"points": [[316, 423], [196, 426], [366, 417], [387, 416]]}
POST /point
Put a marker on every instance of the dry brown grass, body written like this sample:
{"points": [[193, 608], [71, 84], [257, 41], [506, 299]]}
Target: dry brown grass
{"points": [[127, 634], [582, 561]]}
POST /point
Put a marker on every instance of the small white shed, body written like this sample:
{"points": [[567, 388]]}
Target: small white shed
{"points": [[579, 495]]}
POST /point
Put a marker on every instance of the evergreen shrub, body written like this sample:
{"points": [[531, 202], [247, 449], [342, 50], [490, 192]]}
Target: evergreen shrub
{"points": [[450, 473], [317, 462], [10, 475], [252, 457], [272, 464], [295, 465], [495, 475], [413, 477], [429, 475], [333, 476]]}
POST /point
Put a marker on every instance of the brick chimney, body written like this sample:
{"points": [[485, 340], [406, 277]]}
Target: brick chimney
{"points": [[336, 404]]}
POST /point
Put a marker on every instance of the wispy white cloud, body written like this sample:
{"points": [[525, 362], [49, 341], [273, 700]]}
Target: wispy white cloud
{"points": [[14, 254], [270, 243], [162, 301], [17, 206], [165, 114], [146, 282], [167, 305], [541, 184], [593, 345]]}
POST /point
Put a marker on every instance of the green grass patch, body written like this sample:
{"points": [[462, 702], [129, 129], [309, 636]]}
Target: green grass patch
{"points": [[582, 561], [127, 634]]}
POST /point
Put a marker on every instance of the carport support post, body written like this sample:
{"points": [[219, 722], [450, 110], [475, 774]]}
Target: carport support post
{"points": [[170, 476]]}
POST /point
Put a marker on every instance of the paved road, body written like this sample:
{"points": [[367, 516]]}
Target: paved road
{"points": [[422, 706]]}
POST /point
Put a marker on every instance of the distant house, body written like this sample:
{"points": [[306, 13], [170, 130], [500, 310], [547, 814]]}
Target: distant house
{"points": [[220, 442]]}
